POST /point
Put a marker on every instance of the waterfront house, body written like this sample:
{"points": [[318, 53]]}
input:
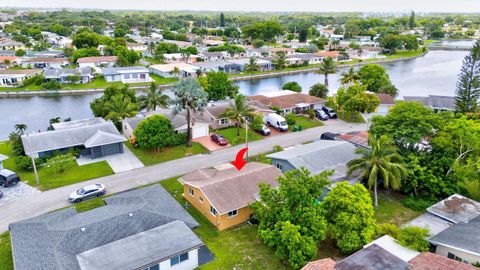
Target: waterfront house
{"points": [[45, 62], [95, 138], [262, 64], [219, 65], [435, 102], [289, 101], [222, 194], [180, 57], [97, 61], [257, 53], [15, 77], [277, 50], [213, 56], [139, 229], [303, 58], [65, 75], [180, 69], [133, 74]]}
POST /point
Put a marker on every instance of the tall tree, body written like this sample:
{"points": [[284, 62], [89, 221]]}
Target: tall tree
{"points": [[411, 20], [280, 61], [318, 90], [222, 20], [327, 67], [349, 77], [252, 65], [189, 97], [468, 86], [238, 111], [119, 107], [380, 162], [218, 86], [153, 99]]}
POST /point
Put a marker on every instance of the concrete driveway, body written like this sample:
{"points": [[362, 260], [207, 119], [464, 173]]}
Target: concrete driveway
{"points": [[124, 162], [209, 144], [43, 202]]}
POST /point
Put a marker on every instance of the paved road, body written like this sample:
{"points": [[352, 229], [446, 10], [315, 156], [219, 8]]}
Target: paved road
{"points": [[50, 200]]}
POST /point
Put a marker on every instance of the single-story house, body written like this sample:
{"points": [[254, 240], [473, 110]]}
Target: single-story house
{"points": [[94, 137], [296, 44], [212, 56], [365, 52], [302, 58], [97, 61], [286, 51], [179, 57], [432, 261], [289, 101], [44, 54], [10, 44], [213, 42], [223, 194], [178, 121], [138, 47], [257, 53], [372, 257], [126, 74], [8, 61], [64, 75], [335, 55], [318, 156], [14, 77], [181, 44], [140, 229], [436, 103], [219, 65], [261, 63], [391, 245], [45, 63], [180, 69]]}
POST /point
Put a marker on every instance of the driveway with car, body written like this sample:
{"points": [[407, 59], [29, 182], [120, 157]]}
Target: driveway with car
{"points": [[207, 142]]}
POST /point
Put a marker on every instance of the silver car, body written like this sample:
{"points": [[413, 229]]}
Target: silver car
{"points": [[87, 192]]}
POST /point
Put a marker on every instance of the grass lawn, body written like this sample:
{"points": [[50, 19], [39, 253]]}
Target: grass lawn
{"points": [[6, 259], [234, 248], [53, 180], [473, 189], [231, 135], [391, 210], [152, 60], [305, 122], [148, 157], [90, 204], [351, 118]]}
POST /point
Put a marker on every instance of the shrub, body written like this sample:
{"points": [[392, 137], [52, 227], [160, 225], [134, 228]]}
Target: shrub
{"points": [[414, 238], [311, 113], [35, 80], [294, 86], [417, 204], [24, 162], [277, 148], [290, 119], [60, 163], [389, 229], [52, 85]]}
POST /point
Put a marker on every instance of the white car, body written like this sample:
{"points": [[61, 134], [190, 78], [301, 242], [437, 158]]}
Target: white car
{"points": [[87, 192]]}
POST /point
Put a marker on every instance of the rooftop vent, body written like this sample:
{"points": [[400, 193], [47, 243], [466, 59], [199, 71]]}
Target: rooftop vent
{"points": [[130, 214], [82, 229]]}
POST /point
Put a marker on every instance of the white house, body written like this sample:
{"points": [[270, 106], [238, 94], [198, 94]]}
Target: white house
{"points": [[138, 47], [64, 75], [126, 74], [14, 77], [178, 57], [97, 61], [45, 62], [171, 70]]}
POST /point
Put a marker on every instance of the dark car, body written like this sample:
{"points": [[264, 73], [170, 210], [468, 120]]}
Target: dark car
{"points": [[320, 114], [330, 112], [8, 178], [87, 192], [218, 139], [329, 136]]}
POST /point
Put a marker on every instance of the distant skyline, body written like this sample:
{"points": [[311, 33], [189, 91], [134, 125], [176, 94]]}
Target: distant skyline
{"points": [[259, 5]]}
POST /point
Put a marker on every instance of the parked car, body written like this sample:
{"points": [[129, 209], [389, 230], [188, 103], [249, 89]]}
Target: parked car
{"points": [[276, 121], [320, 114], [329, 136], [87, 192], [265, 131], [330, 112], [219, 139], [8, 178]]}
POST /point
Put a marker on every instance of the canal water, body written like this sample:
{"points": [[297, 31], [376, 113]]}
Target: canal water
{"points": [[433, 74]]}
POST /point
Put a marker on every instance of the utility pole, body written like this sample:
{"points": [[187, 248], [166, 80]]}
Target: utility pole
{"points": [[246, 136], [33, 163]]}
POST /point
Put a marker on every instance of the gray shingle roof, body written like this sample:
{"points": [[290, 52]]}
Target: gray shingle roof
{"points": [[64, 72], [434, 101], [456, 209], [69, 137], [465, 236], [319, 156], [122, 70], [53, 241], [372, 258]]}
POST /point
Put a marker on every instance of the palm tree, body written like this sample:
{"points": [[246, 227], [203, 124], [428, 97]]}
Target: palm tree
{"points": [[151, 48], [349, 77], [20, 128], [53, 121], [238, 111], [280, 61], [252, 65], [120, 107], [153, 99], [327, 67], [380, 161], [189, 97]]}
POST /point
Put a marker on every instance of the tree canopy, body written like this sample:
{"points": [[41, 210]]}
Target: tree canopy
{"points": [[375, 78], [155, 132], [218, 86], [467, 95]]}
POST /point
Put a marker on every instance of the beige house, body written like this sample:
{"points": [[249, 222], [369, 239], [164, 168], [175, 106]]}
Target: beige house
{"points": [[222, 194]]}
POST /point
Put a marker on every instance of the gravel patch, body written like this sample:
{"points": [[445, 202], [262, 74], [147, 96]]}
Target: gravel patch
{"points": [[19, 191]]}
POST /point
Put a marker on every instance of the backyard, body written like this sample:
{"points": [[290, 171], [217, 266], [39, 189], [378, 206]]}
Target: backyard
{"points": [[391, 210], [49, 180], [151, 157]]}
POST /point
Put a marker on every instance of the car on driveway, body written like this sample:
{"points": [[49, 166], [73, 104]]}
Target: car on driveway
{"points": [[320, 114], [87, 192], [8, 178], [219, 139], [330, 112], [265, 131]]}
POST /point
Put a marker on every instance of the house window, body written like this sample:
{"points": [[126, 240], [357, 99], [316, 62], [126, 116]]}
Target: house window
{"points": [[223, 121], [455, 257], [279, 166], [232, 213], [134, 76], [178, 259], [200, 199], [213, 210], [153, 267], [190, 190], [143, 76], [126, 76]]}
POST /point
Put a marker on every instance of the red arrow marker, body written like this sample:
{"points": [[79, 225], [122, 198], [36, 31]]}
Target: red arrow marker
{"points": [[239, 162]]}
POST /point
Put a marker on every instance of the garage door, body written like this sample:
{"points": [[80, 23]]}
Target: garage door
{"points": [[199, 131]]}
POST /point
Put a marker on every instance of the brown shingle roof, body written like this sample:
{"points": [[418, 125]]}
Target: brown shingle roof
{"points": [[386, 99], [431, 261], [230, 189], [47, 60], [333, 54], [323, 264], [20, 71], [287, 101], [95, 59]]}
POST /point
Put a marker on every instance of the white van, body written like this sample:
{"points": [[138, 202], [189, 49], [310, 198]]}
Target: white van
{"points": [[276, 121]]}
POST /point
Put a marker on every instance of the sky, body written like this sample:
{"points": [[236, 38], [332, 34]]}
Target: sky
{"points": [[260, 5]]}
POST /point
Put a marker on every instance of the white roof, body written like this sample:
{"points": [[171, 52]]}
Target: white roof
{"points": [[390, 244], [278, 93], [172, 66]]}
